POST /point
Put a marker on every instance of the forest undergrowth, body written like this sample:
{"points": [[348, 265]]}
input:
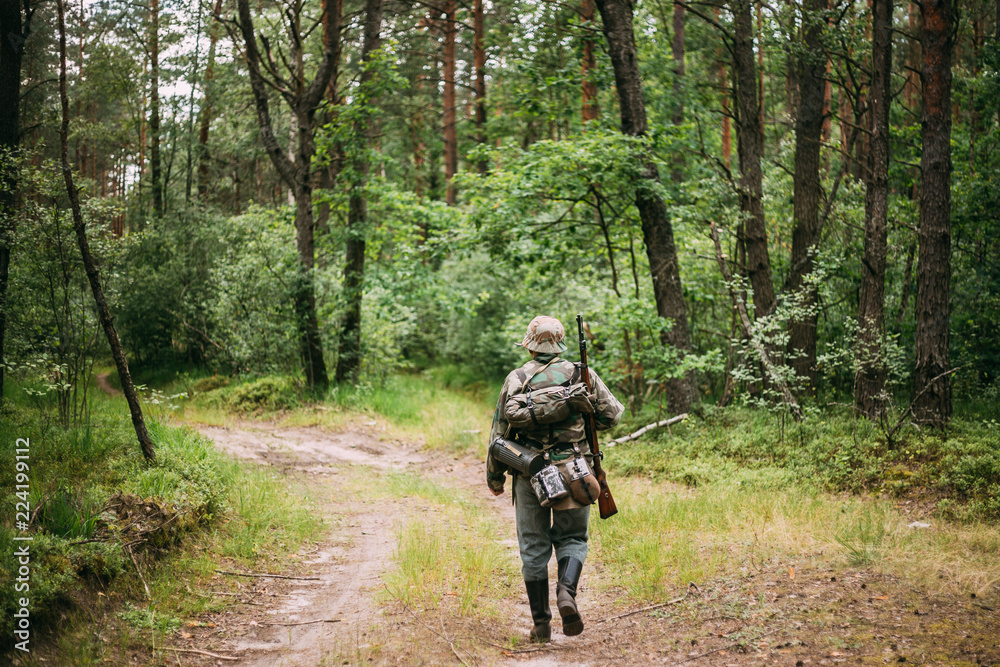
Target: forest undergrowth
{"points": [[728, 486], [728, 491], [116, 540]]}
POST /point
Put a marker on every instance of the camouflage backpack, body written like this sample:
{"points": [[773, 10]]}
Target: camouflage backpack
{"points": [[547, 405]]}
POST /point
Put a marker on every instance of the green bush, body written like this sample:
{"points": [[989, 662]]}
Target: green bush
{"points": [[265, 395], [211, 383]]}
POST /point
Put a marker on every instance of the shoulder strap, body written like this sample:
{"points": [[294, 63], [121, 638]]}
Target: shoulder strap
{"points": [[526, 382]]}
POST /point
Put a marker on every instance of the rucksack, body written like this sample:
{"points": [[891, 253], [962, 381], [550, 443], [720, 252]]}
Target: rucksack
{"points": [[548, 405]]}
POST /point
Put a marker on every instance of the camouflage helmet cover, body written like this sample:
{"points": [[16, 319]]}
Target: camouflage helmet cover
{"points": [[545, 335]]}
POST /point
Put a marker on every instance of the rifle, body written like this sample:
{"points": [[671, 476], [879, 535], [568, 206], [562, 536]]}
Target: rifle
{"points": [[605, 502]]}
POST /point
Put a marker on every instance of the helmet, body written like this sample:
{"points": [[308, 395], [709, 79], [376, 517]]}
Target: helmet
{"points": [[545, 334]]}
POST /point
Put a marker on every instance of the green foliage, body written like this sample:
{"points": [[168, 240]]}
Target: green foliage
{"points": [[164, 293], [61, 516], [251, 292], [53, 335]]}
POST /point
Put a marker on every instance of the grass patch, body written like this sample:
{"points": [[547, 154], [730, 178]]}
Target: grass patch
{"points": [[665, 537], [452, 555], [957, 470]]}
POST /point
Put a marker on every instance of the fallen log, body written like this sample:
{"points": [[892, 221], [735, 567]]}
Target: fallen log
{"points": [[649, 427]]}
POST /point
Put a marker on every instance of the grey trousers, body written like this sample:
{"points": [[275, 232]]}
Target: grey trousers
{"points": [[540, 530]]}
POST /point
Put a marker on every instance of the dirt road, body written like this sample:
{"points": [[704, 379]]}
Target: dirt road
{"points": [[338, 612]]}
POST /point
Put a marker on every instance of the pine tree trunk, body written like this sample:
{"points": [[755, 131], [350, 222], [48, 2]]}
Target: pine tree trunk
{"points": [[656, 227], [103, 312], [349, 356], [869, 381], [806, 186], [142, 126], [479, 61], [208, 102], [154, 107], [588, 88], [932, 389], [450, 129], [749, 149], [677, 52]]}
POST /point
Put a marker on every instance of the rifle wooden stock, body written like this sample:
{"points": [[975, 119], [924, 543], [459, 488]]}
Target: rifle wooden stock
{"points": [[605, 501]]}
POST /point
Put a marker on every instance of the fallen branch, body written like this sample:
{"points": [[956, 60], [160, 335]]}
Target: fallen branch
{"points": [[200, 652], [149, 595], [648, 427], [267, 576], [322, 620], [741, 308], [891, 433], [548, 648], [724, 648], [639, 611]]}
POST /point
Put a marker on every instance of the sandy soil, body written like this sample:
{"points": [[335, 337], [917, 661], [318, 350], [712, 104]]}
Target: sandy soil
{"points": [[817, 617]]}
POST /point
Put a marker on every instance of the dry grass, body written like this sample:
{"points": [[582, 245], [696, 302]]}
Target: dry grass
{"points": [[666, 536]]}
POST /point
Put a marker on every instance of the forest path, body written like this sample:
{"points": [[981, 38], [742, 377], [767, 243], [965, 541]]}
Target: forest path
{"points": [[345, 613], [104, 385], [338, 619]]}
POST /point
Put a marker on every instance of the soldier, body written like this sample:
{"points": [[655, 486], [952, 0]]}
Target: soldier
{"points": [[562, 527]]}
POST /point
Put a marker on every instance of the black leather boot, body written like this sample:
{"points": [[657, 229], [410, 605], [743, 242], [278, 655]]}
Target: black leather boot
{"points": [[569, 576], [538, 600]]}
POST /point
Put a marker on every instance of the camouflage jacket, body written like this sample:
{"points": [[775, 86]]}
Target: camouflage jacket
{"points": [[540, 373]]}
